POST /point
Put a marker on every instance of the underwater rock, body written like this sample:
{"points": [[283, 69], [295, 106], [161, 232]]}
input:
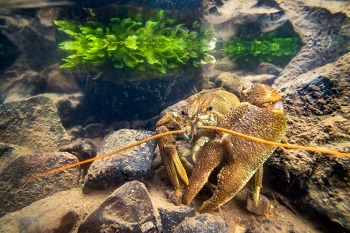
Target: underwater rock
{"points": [[19, 189], [205, 223], [76, 132], [114, 97], [37, 48], [127, 209], [267, 79], [171, 218], [318, 29], [36, 70], [36, 121], [263, 207], [19, 83], [72, 108], [230, 14], [317, 106], [58, 80], [82, 148], [132, 164], [231, 82], [57, 219], [268, 68], [93, 130], [46, 215], [224, 64], [268, 225]]}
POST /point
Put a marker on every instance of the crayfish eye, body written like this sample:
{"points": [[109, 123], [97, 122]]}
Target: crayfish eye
{"points": [[210, 108], [183, 112]]}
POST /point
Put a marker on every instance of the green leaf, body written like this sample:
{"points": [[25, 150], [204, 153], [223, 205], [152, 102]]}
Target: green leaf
{"points": [[150, 57], [67, 65], [149, 27], [112, 46], [131, 42], [87, 30]]}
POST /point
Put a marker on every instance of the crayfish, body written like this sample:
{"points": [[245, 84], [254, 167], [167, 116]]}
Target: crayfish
{"points": [[236, 137]]}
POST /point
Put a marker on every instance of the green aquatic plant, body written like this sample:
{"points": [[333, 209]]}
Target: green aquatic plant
{"points": [[267, 47], [158, 43]]}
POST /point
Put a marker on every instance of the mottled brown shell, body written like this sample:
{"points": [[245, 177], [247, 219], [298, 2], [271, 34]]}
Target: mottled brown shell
{"points": [[220, 101]]}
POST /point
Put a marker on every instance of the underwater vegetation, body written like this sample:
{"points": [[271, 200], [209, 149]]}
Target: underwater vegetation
{"points": [[266, 47], [158, 43]]}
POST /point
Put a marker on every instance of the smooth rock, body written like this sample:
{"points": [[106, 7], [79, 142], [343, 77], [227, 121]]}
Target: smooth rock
{"points": [[19, 188], [231, 82], [59, 219], [263, 207], [75, 132], [32, 123], [268, 68], [127, 209], [204, 223], [46, 215], [267, 79], [132, 164], [58, 80], [93, 130], [82, 149], [170, 218]]}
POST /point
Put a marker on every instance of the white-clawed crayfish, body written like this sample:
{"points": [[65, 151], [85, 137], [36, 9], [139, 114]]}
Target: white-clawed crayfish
{"points": [[235, 136]]}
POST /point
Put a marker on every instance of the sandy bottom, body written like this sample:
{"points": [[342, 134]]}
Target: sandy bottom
{"points": [[282, 216]]}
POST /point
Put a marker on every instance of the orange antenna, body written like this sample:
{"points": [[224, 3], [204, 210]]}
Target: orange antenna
{"points": [[288, 146], [106, 155]]}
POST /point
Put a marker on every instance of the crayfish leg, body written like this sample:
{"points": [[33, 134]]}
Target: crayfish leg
{"points": [[258, 177], [170, 158]]}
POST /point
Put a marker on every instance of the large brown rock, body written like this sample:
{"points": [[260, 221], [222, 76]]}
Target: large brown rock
{"points": [[172, 217], [47, 215], [19, 189], [34, 40], [58, 219], [131, 164], [205, 223], [127, 209], [317, 105], [32, 123]]}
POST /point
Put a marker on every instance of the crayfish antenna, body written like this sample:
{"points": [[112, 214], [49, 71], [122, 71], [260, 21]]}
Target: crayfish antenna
{"points": [[182, 131], [283, 145], [104, 155]]}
